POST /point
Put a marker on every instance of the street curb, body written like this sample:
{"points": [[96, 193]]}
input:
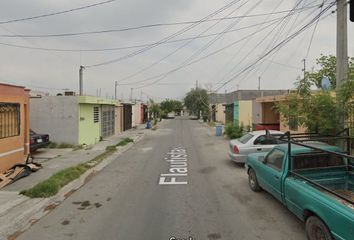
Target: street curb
{"points": [[36, 208]]}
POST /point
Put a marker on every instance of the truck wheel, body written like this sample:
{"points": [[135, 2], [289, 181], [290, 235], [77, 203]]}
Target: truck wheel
{"points": [[317, 230], [252, 181]]}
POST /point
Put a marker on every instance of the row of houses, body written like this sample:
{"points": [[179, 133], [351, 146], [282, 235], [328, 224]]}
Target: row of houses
{"points": [[252, 108], [67, 118]]}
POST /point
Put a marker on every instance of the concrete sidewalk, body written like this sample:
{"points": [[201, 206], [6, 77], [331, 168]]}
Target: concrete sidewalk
{"points": [[17, 211]]}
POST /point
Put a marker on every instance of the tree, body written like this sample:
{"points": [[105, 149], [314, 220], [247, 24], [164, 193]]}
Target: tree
{"points": [[154, 108], [196, 101], [168, 106], [321, 111], [327, 66]]}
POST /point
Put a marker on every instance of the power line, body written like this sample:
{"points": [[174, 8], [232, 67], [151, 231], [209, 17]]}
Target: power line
{"points": [[145, 26], [133, 46], [179, 48], [242, 47], [144, 45], [183, 30], [253, 65], [254, 48], [313, 34], [261, 58], [278, 46], [197, 53], [57, 13], [208, 55]]}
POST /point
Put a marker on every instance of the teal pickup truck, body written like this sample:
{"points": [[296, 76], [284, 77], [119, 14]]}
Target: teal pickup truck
{"points": [[313, 181]]}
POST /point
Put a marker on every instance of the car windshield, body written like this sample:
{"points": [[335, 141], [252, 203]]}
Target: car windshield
{"points": [[245, 138]]}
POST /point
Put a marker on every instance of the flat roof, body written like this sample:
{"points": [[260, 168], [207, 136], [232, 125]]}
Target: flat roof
{"points": [[96, 100], [11, 85]]}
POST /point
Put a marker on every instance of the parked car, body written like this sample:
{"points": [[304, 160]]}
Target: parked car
{"points": [[317, 186], [170, 115], [252, 142], [38, 140]]}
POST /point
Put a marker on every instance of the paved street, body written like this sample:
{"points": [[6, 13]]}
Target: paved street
{"points": [[137, 197]]}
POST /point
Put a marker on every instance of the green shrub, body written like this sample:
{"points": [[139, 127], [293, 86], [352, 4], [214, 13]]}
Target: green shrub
{"points": [[124, 142], [52, 145], [234, 131], [65, 145], [111, 148]]}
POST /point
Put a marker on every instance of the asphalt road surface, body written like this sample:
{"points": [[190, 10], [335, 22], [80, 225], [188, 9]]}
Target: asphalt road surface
{"points": [[177, 183]]}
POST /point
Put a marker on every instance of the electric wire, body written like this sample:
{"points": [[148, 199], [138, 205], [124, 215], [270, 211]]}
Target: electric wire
{"points": [[280, 45], [57, 13], [313, 34], [135, 46], [249, 53], [183, 30], [175, 51], [145, 26], [197, 53], [210, 54]]}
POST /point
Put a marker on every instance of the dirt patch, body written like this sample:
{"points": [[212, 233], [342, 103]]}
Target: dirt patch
{"points": [[14, 235], [214, 236], [243, 199], [65, 222], [68, 194], [207, 170], [77, 203], [108, 199], [50, 207], [34, 221], [85, 204], [97, 205]]}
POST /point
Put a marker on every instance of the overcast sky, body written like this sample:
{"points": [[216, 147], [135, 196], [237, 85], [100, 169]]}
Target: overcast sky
{"points": [[254, 36]]}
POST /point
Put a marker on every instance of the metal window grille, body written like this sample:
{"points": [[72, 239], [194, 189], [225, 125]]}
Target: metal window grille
{"points": [[10, 120], [96, 114]]}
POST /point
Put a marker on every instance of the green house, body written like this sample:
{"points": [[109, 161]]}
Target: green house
{"points": [[74, 119]]}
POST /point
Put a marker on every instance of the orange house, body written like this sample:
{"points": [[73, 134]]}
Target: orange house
{"points": [[14, 126]]}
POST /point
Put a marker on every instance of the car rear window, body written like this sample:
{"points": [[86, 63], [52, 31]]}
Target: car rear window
{"points": [[317, 160], [245, 138]]}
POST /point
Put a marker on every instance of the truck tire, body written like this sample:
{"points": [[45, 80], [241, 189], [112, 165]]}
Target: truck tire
{"points": [[252, 181], [317, 230]]}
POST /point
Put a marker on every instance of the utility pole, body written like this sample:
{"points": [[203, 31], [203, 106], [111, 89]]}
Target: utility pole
{"points": [[342, 43], [304, 69], [81, 72], [131, 94], [259, 83], [115, 90], [196, 84]]}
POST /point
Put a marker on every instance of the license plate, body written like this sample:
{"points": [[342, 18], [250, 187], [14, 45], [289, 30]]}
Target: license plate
{"points": [[39, 140]]}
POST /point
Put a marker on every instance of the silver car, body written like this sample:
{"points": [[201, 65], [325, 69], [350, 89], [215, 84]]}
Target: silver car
{"points": [[252, 142]]}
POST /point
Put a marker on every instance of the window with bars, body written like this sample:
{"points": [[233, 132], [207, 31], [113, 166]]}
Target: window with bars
{"points": [[10, 120], [96, 114]]}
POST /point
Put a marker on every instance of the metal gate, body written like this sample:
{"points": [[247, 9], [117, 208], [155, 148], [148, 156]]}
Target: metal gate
{"points": [[108, 121], [127, 112]]}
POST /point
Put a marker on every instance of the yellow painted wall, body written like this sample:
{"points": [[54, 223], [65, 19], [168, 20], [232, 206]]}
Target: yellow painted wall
{"points": [[284, 127], [245, 113]]}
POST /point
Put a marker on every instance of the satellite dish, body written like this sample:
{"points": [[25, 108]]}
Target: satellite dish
{"points": [[325, 83]]}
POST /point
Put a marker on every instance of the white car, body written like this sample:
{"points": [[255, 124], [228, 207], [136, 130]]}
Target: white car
{"points": [[253, 142]]}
